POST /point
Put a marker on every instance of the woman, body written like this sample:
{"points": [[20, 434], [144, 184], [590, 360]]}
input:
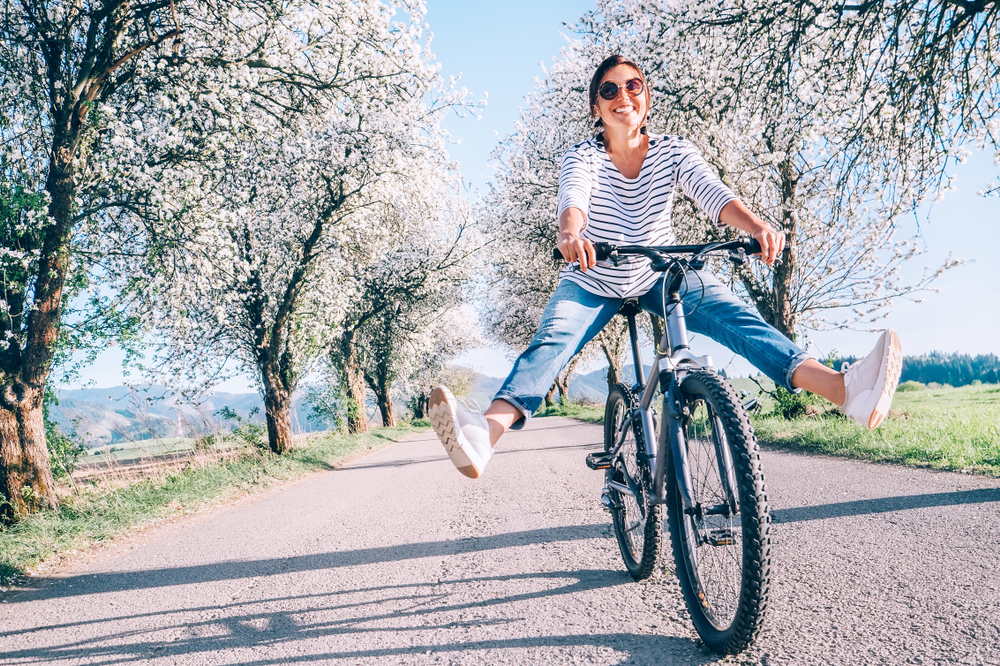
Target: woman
{"points": [[618, 187]]}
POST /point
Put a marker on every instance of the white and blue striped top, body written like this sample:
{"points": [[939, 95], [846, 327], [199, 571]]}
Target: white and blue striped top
{"points": [[634, 211]]}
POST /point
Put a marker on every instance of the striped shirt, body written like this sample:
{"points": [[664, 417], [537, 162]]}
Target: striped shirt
{"points": [[634, 211]]}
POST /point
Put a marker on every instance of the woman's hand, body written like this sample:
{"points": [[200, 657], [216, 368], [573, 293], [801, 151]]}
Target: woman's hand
{"points": [[771, 243], [573, 246], [577, 248]]}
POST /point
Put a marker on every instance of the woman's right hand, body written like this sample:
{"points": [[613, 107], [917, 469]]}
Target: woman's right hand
{"points": [[573, 246], [577, 248]]}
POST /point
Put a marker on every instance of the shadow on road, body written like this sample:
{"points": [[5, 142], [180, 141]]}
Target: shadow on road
{"points": [[318, 619], [884, 505], [234, 570]]}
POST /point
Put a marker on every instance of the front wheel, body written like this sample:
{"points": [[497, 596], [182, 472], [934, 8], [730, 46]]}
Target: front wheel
{"points": [[722, 544], [638, 525]]}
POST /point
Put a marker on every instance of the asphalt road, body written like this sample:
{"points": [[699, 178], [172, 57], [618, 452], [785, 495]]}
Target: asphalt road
{"points": [[398, 559]]}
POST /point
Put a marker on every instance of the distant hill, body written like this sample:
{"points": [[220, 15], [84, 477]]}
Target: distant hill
{"points": [[104, 416]]}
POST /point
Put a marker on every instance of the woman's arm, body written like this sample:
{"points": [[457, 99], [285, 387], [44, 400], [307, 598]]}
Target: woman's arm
{"points": [[573, 246], [735, 214], [575, 184]]}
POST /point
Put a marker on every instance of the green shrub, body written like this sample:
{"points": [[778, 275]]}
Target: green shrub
{"points": [[250, 433], [790, 406], [64, 451], [911, 386]]}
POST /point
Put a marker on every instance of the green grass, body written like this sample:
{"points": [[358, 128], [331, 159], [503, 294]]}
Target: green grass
{"points": [[99, 514], [945, 428], [588, 413]]}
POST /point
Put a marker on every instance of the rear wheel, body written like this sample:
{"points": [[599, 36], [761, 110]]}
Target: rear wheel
{"points": [[722, 545], [638, 526]]}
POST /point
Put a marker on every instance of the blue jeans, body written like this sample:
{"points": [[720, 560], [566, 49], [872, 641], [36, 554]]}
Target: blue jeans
{"points": [[574, 316]]}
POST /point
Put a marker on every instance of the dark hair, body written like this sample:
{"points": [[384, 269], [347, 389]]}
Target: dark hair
{"points": [[595, 83]]}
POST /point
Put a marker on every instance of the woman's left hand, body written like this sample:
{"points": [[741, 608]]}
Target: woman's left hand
{"points": [[771, 243]]}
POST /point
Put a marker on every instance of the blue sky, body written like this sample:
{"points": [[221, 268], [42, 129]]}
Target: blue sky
{"points": [[499, 48]]}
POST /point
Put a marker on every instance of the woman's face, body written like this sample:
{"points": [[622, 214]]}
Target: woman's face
{"points": [[625, 111]]}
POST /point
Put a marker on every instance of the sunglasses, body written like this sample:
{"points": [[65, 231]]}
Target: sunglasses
{"points": [[609, 89]]}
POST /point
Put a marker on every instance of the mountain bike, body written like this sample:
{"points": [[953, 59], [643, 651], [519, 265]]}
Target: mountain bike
{"points": [[699, 459]]}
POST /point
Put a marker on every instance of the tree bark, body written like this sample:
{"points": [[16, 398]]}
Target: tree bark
{"points": [[418, 404], [551, 392], [562, 380], [278, 414], [26, 482], [379, 378], [386, 409], [785, 316], [353, 378]]}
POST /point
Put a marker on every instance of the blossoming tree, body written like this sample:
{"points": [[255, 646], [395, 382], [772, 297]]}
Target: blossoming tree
{"points": [[319, 117], [60, 64]]}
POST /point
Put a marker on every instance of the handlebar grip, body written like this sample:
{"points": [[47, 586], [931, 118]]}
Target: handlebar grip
{"points": [[753, 246], [603, 251]]}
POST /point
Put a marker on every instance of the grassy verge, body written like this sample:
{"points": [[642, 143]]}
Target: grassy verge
{"points": [[954, 429], [946, 428], [99, 513], [588, 413]]}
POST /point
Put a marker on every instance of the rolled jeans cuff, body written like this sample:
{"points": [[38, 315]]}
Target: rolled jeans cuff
{"points": [[793, 365], [519, 406]]}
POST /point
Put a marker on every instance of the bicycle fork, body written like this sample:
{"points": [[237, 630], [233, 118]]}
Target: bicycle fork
{"points": [[674, 416]]}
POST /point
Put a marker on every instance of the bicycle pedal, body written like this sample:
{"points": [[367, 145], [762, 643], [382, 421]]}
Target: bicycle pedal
{"points": [[721, 538], [599, 460]]}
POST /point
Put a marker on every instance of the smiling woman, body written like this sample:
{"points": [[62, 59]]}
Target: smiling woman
{"points": [[619, 186]]}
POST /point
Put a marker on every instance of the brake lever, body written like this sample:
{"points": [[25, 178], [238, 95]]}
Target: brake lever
{"points": [[739, 257]]}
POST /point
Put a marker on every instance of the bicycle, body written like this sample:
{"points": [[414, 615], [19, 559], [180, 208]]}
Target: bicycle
{"points": [[704, 467]]}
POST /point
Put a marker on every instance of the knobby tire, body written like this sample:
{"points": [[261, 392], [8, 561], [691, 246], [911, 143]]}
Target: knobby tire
{"points": [[723, 567]]}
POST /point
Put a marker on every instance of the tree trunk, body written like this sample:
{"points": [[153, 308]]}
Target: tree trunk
{"points": [[657, 323], [551, 392], [278, 413], [26, 482], [613, 344], [25, 474], [386, 409], [418, 403], [785, 316], [353, 378], [562, 380], [379, 381]]}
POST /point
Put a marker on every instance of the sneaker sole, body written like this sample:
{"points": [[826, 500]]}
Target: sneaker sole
{"points": [[442, 417], [893, 368]]}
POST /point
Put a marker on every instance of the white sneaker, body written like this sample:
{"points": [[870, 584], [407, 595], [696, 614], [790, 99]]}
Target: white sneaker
{"points": [[464, 432], [871, 382]]}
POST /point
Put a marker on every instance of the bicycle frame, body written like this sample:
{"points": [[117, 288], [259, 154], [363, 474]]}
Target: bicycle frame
{"points": [[672, 361]]}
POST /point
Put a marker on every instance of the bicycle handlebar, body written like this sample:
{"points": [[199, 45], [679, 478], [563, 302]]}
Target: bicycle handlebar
{"points": [[606, 250]]}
